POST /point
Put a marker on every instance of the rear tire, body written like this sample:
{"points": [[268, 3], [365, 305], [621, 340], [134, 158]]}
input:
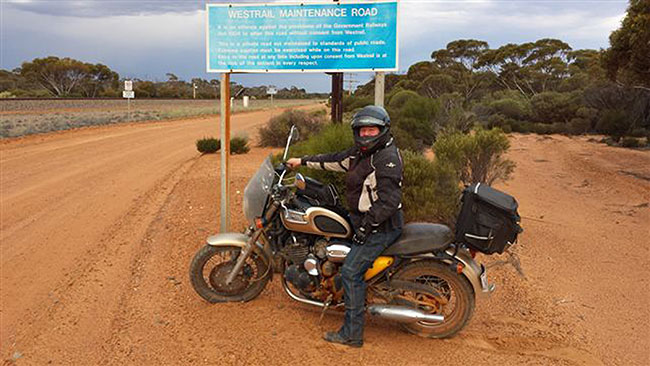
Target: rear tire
{"points": [[452, 286], [207, 275]]}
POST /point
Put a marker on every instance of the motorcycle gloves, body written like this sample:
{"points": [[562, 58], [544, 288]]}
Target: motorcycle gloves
{"points": [[360, 236]]}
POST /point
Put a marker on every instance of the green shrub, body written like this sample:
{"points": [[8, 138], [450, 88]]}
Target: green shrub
{"points": [[578, 126], [550, 107], [511, 108], [277, 129], [353, 102], [548, 129], [639, 132], [208, 145], [477, 157], [630, 142], [521, 126], [406, 141], [239, 145], [430, 190], [613, 122], [398, 99], [416, 117]]}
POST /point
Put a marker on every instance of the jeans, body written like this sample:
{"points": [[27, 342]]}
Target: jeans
{"points": [[357, 262]]}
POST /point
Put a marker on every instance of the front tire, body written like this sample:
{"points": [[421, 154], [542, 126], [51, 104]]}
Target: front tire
{"points": [[455, 291], [210, 267]]}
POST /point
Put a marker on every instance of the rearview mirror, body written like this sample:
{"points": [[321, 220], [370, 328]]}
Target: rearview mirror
{"points": [[300, 182]]}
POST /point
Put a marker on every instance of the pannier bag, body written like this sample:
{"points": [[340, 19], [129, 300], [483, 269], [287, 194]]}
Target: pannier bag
{"points": [[488, 221]]}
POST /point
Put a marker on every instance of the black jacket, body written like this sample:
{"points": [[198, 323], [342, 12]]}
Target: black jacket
{"points": [[373, 183]]}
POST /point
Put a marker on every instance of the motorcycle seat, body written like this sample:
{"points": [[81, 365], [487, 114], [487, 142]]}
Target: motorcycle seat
{"points": [[421, 237]]}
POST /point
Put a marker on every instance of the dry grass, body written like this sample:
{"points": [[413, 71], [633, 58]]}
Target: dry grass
{"points": [[20, 118]]}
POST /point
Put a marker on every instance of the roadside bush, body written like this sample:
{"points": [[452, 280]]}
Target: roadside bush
{"points": [[613, 122], [551, 107], [476, 157], [239, 145], [416, 117], [630, 142], [208, 145], [578, 126], [511, 108], [521, 126], [275, 132], [353, 102], [405, 141], [430, 190], [400, 98]]}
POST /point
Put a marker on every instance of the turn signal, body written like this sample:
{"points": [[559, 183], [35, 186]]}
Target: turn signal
{"points": [[459, 268], [258, 223]]}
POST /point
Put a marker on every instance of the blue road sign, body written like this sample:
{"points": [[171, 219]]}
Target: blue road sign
{"points": [[311, 37]]}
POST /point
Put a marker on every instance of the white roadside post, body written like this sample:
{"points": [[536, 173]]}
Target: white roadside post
{"points": [[380, 81], [245, 101], [129, 94], [271, 90]]}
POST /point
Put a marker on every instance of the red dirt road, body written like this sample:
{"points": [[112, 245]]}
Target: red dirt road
{"points": [[99, 226]]}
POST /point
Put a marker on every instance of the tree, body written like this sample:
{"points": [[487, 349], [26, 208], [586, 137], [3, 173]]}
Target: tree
{"points": [[58, 76], [459, 60], [627, 61], [98, 77]]}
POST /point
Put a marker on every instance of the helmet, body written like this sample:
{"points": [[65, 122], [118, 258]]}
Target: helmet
{"points": [[371, 116]]}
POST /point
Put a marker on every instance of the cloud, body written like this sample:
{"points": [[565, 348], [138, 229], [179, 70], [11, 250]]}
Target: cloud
{"points": [[103, 8]]}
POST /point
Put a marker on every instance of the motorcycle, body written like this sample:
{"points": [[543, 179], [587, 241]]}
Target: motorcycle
{"points": [[426, 281]]}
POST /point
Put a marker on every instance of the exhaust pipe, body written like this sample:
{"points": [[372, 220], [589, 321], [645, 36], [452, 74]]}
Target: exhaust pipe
{"points": [[403, 314]]}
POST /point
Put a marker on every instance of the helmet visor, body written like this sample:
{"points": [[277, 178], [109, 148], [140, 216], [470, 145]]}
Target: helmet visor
{"points": [[367, 121]]}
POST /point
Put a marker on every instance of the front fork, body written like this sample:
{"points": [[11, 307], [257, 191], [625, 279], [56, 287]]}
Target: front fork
{"points": [[250, 245]]}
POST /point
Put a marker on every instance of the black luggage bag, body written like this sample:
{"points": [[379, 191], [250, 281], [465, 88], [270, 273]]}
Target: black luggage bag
{"points": [[488, 221]]}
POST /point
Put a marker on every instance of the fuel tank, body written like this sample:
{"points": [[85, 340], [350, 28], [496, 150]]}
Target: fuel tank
{"points": [[317, 221]]}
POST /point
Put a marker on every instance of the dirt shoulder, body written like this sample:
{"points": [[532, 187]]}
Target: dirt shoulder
{"points": [[98, 232]]}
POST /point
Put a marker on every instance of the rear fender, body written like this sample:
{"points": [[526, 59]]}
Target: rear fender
{"points": [[471, 270], [239, 240]]}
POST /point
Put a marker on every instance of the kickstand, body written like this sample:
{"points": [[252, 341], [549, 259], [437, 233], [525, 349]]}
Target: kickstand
{"points": [[328, 302]]}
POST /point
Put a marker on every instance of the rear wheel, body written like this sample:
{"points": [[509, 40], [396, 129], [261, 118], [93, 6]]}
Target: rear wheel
{"points": [[454, 298], [210, 267]]}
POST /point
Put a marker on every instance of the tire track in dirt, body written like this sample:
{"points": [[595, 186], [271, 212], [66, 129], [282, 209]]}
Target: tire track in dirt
{"points": [[584, 247], [94, 177]]}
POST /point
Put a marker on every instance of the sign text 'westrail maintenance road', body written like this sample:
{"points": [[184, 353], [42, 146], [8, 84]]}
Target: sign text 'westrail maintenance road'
{"points": [[359, 36]]}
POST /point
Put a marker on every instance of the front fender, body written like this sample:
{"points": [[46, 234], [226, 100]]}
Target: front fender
{"points": [[227, 239], [238, 240]]}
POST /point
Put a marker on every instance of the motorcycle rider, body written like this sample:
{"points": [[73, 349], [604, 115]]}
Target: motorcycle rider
{"points": [[373, 183]]}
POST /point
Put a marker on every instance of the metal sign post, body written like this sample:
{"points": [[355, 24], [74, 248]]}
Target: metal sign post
{"points": [[128, 94], [271, 90], [225, 152]]}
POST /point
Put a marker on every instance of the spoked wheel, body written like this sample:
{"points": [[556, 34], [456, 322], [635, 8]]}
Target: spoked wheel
{"points": [[452, 296], [211, 266]]}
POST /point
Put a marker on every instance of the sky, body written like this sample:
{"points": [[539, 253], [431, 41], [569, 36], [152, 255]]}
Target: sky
{"points": [[147, 39]]}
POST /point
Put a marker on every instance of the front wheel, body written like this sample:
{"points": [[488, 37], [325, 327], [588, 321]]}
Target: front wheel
{"points": [[454, 298], [210, 267]]}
